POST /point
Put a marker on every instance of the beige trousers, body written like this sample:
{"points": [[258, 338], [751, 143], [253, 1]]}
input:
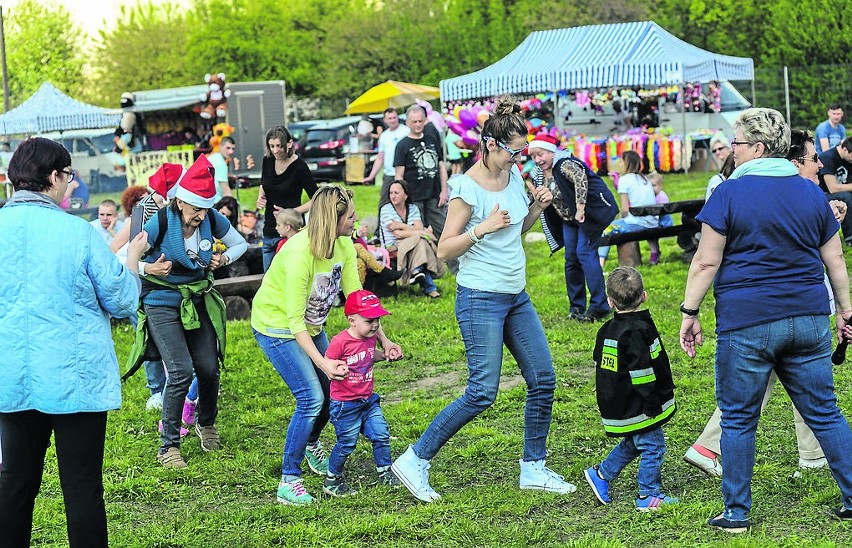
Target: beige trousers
{"points": [[809, 447]]}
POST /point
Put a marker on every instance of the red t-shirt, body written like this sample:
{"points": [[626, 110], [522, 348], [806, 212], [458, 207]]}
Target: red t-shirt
{"points": [[358, 355], [280, 244]]}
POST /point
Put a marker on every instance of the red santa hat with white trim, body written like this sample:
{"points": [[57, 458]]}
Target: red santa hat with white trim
{"points": [[197, 187], [544, 142], [164, 180]]}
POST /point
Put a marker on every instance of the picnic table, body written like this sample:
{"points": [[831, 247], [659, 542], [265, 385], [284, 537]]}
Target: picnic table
{"points": [[686, 232]]}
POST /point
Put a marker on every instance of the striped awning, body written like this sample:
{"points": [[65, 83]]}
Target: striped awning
{"points": [[623, 54], [48, 109]]}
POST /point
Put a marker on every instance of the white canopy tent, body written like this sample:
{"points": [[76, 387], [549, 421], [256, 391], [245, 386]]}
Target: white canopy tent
{"points": [[614, 55]]}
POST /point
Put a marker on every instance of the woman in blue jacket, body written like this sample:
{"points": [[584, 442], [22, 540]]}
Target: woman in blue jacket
{"points": [[59, 283]]}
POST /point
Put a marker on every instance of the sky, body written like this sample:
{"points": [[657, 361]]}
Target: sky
{"points": [[92, 15]]}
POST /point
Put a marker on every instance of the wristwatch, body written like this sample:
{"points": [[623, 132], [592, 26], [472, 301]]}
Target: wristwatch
{"points": [[688, 311]]}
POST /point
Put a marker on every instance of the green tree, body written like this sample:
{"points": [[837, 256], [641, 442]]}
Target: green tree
{"points": [[262, 40], [147, 49], [41, 45]]}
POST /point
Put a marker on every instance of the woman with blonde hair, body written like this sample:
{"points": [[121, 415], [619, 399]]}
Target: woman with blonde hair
{"points": [[288, 314]]}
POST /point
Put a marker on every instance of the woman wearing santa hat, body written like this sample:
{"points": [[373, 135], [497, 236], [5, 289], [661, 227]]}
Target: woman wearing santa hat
{"points": [[181, 312], [582, 207]]}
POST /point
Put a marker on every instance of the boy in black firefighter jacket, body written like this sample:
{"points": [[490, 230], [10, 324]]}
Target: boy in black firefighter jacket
{"points": [[635, 391]]}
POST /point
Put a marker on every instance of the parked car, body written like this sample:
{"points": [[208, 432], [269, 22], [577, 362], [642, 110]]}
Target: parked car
{"points": [[92, 157], [325, 144], [297, 130]]}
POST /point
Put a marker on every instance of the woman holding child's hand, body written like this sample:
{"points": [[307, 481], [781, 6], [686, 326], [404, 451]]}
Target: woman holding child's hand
{"points": [[288, 314], [488, 211]]}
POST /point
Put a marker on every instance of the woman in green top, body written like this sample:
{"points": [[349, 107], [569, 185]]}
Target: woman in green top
{"points": [[288, 314]]}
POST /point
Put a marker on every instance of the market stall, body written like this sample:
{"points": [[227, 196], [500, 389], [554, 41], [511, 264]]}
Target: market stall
{"points": [[586, 60]]}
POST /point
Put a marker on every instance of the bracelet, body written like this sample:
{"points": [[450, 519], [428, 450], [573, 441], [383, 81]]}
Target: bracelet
{"points": [[688, 311], [472, 235]]}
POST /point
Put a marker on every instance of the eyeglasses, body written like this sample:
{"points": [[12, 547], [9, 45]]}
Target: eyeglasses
{"points": [[718, 149], [735, 143], [814, 158], [512, 152], [194, 256], [71, 174]]}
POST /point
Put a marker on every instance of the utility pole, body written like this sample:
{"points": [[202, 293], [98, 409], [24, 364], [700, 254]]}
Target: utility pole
{"points": [[3, 61]]}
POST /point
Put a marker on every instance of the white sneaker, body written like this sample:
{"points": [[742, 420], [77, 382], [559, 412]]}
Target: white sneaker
{"points": [[711, 467], [535, 475], [413, 472], [812, 464], [155, 402]]}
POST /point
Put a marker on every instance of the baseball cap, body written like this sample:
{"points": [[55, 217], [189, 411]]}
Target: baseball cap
{"points": [[365, 303]]}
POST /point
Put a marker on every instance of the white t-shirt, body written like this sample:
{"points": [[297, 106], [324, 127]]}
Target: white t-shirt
{"points": [[639, 192], [714, 181], [387, 144]]}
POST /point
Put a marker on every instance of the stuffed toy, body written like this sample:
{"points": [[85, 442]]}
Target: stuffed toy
{"points": [[215, 100], [219, 131], [124, 136]]}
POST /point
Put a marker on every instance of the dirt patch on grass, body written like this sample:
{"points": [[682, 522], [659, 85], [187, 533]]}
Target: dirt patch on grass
{"points": [[447, 384]]}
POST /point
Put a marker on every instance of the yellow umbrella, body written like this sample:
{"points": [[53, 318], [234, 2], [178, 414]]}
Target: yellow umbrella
{"points": [[391, 94]]}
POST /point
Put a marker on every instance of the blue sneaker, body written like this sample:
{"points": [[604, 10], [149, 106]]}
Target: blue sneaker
{"points": [[653, 502], [600, 487]]}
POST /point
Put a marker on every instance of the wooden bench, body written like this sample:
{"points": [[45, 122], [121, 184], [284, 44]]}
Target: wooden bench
{"points": [[686, 232], [238, 294]]}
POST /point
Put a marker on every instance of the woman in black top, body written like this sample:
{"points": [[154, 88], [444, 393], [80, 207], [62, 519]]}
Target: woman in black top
{"points": [[283, 178]]}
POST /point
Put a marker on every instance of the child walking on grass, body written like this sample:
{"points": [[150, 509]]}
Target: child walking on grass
{"points": [[354, 406], [635, 391]]}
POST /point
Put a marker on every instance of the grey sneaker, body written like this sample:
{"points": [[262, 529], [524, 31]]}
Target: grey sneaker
{"points": [[317, 459], [336, 486], [209, 437], [387, 478], [171, 458]]}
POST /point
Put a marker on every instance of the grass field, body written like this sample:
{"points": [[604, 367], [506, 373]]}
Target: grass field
{"points": [[228, 498]]}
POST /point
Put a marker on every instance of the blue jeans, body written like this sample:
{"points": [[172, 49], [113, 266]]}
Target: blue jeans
{"points": [[185, 352], [267, 251], [582, 267], [351, 418], [799, 350], [155, 377], [618, 226], [428, 282], [310, 387], [651, 447], [487, 321]]}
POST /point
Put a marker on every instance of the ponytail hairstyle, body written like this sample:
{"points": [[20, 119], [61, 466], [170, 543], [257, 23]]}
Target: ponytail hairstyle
{"points": [[328, 205], [504, 124]]}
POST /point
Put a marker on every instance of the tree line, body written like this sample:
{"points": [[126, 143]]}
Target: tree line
{"points": [[334, 49]]}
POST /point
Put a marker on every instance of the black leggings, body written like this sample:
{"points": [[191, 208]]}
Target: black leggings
{"points": [[79, 439]]}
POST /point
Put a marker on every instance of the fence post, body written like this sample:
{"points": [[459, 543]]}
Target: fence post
{"points": [[787, 94]]}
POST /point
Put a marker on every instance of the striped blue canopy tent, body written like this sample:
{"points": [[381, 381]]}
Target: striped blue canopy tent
{"points": [[48, 109], [616, 55]]}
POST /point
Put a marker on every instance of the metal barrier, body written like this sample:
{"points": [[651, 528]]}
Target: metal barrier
{"points": [[142, 165]]}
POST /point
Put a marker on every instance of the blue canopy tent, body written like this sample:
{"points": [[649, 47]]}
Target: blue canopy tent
{"points": [[48, 109], [623, 54]]}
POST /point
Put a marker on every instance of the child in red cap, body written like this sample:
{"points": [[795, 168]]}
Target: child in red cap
{"points": [[354, 406]]}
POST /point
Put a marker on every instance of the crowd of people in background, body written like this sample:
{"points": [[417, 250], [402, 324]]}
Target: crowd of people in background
{"points": [[433, 216]]}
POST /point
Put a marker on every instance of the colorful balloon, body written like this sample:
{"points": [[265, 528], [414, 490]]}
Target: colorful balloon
{"points": [[470, 138], [482, 116], [467, 118]]}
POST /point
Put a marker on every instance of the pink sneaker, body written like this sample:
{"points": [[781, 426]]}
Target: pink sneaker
{"points": [[183, 431], [188, 415]]}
